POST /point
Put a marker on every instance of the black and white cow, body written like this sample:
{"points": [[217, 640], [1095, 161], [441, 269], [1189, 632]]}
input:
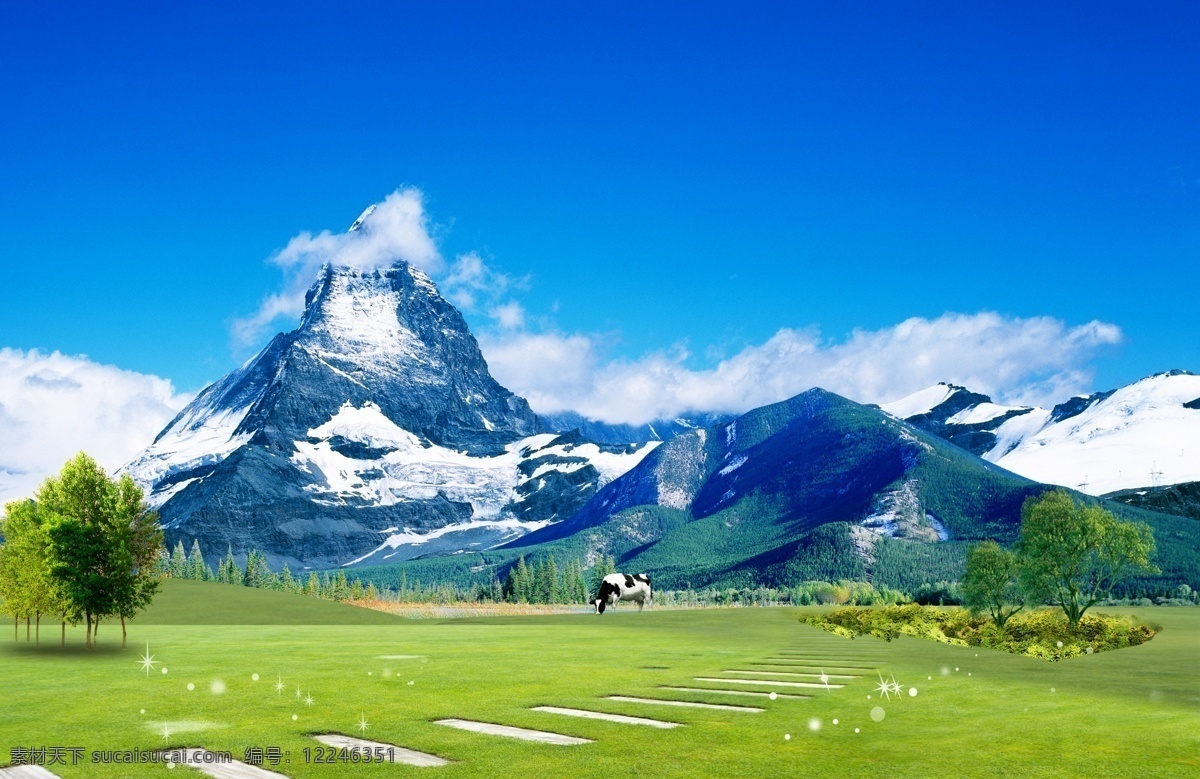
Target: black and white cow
{"points": [[617, 587]]}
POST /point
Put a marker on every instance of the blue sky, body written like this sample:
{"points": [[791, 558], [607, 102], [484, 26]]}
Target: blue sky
{"points": [[684, 178]]}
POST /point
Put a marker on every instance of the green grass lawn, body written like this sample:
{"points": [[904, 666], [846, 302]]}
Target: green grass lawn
{"points": [[1130, 713]]}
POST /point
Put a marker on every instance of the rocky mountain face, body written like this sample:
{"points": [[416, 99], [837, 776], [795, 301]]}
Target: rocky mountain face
{"points": [[372, 431], [776, 486], [815, 487], [1144, 435]]}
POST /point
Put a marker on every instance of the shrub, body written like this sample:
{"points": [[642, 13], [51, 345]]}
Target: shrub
{"points": [[1044, 633]]}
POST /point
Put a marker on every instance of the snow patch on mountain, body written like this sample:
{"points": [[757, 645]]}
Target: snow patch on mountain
{"points": [[1141, 435], [407, 467], [982, 412], [1144, 434], [920, 402], [506, 529], [198, 438]]}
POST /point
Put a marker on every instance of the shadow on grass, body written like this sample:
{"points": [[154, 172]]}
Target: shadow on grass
{"points": [[53, 650]]}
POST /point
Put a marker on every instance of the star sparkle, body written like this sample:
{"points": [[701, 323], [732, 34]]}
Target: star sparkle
{"points": [[884, 688], [148, 661], [362, 723], [280, 686], [308, 701]]}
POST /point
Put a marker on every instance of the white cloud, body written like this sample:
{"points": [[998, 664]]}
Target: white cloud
{"points": [[53, 406], [396, 229], [1031, 360]]}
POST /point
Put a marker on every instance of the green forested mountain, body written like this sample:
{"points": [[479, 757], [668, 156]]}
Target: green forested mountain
{"points": [[815, 487]]}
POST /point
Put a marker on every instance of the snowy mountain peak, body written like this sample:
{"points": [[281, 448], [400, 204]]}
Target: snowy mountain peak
{"points": [[362, 218], [1143, 434]]}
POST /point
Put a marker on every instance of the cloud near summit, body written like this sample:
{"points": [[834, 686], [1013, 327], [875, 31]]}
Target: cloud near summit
{"points": [[1035, 360], [397, 228]]}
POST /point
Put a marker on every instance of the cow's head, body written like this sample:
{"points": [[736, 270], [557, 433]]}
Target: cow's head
{"points": [[607, 591]]}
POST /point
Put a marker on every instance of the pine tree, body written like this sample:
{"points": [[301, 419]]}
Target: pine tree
{"points": [[312, 587], [286, 582], [196, 568], [179, 566]]}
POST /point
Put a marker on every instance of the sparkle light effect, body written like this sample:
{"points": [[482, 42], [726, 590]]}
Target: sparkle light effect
{"points": [[254, 677], [363, 725], [787, 736], [877, 714], [166, 734], [814, 724], [279, 686], [912, 692], [148, 661], [308, 701], [298, 692], [825, 679], [191, 686], [887, 687]]}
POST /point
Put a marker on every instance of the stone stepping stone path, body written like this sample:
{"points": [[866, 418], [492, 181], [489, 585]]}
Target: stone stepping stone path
{"points": [[752, 693], [525, 734], [839, 664], [204, 761], [621, 718], [790, 673], [390, 752], [26, 772], [686, 704], [770, 682]]}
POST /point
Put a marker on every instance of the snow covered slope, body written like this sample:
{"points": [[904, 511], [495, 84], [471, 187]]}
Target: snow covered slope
{"points": [[374, 427], [1145, 434]]}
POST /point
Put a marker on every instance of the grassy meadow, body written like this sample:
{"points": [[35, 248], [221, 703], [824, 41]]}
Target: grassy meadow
{"points": [[1129, 713]]}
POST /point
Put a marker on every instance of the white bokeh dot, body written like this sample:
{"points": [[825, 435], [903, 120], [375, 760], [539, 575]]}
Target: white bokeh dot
{"points": [[835, 721], [856, 730], [773, 696], [143, 711], [814, 724], [787, 736], [191, 686], [254, 677], [912, 692], [295, 717], [878, 714]]}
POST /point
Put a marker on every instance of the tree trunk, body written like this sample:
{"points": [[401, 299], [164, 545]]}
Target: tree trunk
{"points": [[27, 630], [16, 628], [38, 629], [96, 632], [87, 639], [122, 632], [64, 634]]}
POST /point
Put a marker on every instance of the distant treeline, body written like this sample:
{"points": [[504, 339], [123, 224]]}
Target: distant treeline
{"points": [[543, 581]]}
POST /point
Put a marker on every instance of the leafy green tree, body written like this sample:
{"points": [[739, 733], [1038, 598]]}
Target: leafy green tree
{"points": [[1075, 553], [990, 582], [104, 542], [26, 586]]}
